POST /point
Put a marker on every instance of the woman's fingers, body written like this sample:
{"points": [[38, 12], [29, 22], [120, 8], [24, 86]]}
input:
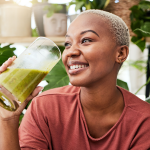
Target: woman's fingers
{"points": [[7, 63], [13, 58], [35, 92], [4, 114]]}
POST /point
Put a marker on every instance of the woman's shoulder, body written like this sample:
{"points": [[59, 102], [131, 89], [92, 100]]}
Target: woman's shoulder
{"points": [[65, 90], [135, 103], [57, 96]]}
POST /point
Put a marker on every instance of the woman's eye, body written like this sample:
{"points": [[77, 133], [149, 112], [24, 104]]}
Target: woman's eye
{"points": [[86, 40], [67, 44]]}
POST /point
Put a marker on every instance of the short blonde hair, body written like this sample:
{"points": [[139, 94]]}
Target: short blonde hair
{"points": [[117, 26]]}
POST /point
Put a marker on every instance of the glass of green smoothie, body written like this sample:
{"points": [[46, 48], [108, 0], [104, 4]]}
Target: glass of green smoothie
{"points": [[27, 71]]}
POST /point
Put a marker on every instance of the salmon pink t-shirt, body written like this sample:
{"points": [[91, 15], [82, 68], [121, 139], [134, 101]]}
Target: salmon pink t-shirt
{"points": [[55, 121]]}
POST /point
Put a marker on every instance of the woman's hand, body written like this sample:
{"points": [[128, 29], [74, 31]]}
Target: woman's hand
{"points": [[9, 120], [5, 114]]}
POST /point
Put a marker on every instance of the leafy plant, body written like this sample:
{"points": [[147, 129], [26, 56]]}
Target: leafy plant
{"points": [[53, 8], [138, 64], [88, 4], [6, 52], [34, 33], [140, 23], [148, 100], [122, 84]]}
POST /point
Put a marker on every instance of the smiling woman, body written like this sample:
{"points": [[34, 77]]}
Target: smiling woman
{"points": [[92, 113]]}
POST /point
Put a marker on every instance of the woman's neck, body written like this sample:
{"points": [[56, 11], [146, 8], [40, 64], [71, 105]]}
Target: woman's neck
{"points": [[102, 99]]}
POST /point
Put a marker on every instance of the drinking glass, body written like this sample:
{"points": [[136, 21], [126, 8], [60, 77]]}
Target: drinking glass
{"points": [[26, 72]]}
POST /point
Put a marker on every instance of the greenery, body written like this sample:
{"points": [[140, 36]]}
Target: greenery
{"points": [[122, 84], [138, 64], [88, 4], [6, 52], [148, 100], [140, 23], [34, 33], [53, 8]]}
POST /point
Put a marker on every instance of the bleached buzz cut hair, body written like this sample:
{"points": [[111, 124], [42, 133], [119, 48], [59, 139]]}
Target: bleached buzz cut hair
{"points": [[118, 27]]}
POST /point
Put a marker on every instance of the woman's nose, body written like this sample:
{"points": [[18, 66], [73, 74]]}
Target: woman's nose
{"points": [[73, 52]]}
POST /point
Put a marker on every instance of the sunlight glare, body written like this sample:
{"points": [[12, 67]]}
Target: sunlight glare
{"points": [[23, 2]]}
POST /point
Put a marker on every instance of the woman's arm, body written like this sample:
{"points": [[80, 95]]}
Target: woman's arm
{"points": [[9, 121]]}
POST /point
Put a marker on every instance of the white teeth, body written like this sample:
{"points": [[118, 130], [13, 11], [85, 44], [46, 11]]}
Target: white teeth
{"points": [[77, 66]]}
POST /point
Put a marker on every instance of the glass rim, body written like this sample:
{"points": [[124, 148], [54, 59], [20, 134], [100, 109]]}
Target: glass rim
{"points": [[46, 39]]}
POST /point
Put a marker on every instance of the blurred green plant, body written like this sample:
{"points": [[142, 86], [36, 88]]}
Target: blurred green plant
{"points": [[53, 8], [6, 52], [140, 23], [88, 4], [122, 84], [148, 100], [34, 33], [138, 64], [148, 81]]}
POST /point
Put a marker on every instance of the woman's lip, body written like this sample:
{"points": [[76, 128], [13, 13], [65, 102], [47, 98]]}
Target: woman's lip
{"points": [[76, 71], [70, 63]]}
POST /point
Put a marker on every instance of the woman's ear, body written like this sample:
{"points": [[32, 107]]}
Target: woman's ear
{"points": [[122, 54]]}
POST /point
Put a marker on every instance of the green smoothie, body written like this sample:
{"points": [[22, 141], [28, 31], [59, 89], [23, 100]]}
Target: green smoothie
{"points": [[21, 82]]}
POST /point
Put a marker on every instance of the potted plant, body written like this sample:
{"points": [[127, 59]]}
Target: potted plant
{"points": [[55, 23], [38, 10], [87, 4], [15, 20]]}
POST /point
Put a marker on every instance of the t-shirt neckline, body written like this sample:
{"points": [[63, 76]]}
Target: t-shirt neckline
{"points": [[113, 128]]}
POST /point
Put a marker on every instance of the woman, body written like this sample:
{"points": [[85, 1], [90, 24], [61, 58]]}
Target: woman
{"points": [[93, 114]]}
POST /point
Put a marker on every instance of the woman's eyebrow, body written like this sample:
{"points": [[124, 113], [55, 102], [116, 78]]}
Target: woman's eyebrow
{"points": [[89, 31], [84, 32]]}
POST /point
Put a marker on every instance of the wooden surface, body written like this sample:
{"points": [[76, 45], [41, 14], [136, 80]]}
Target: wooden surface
{"points": [[57, 40]]}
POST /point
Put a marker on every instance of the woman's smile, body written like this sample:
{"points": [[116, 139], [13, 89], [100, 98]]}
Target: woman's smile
{"points": [[75, 67]]}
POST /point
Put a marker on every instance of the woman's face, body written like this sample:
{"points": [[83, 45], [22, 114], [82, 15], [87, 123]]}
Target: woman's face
{"points": [[90, 51]]}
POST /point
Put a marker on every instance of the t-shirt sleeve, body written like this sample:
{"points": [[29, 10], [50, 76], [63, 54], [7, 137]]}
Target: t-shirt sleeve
{"points": [[34, 133], [141, 140]]}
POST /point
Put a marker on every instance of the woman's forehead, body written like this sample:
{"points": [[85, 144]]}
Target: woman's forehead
{"points": [[89, 22]]}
